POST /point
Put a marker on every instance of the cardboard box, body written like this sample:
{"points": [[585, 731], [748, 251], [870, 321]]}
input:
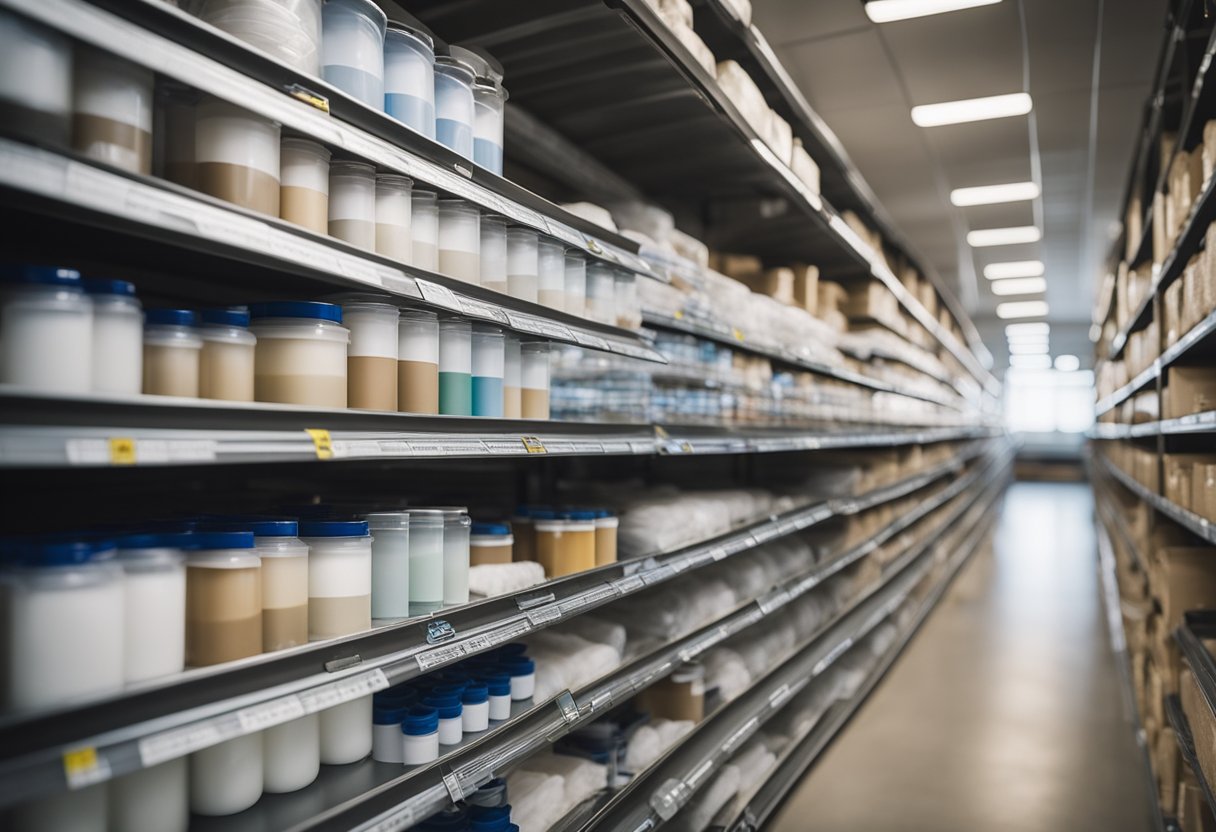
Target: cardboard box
{"points": [[927, 295], [1203, 490], [1189, 390], [870, 300], [1166, 762], [1194, 814], [1172, 301], [1186, 580], [777, 283], [1202, 723], [1133, 225], [1161, 241], [806, 287], [1178, 470], [1209, 150], [733, 265]]}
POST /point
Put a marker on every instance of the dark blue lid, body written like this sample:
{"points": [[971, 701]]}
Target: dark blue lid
{"points": [[394, 697], [543, 514], [451, 820], [420, 720], [388, 716], [601, 513], [448, 705], [55, 550], [105, 286], [578, 514], [45, 275], [207, 540], [490, 529], [297, 309], [512, 650], [172, 540], [475, 694], [333, 528], [497, 684], [169, 317], [226, 317], [519, 667], [273, 528], [448, 689], [489, 818]]}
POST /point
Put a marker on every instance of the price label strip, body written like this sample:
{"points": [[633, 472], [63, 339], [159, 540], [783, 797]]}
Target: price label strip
{"points": [[84, 767]]}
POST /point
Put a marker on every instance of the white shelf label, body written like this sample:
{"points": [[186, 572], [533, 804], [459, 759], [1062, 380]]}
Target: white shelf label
{"points": [[438, 295], [480, 309], [178, 742], [269, 714], [626, 586], [544, 615], [586, 339], [343, 690]]}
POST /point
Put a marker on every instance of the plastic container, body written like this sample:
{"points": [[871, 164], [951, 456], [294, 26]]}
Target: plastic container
{"points": [[490, 819], [576, 552], [450, 712], [420, 735], [394, 210], [371, 359], [460, 240], [490, 543], [418, 362], [522, 264], [291, 754], [606, 526], [284, 583], [352, 203], [65, 630], [352, 49], [172, 353], [424, 230], [489, 104], [512, 398], [576, 283], [522, 671], [35, 79], [223, 601], [475, 704], [301, 353], [390, 564], [346, 732], [175, 116], [227, 778], [387, 744], [154, 605], [456, 525], [409, 78], [287, 30], [455, 368], [681, 696], [494, 253], [551, 273], [155, 799], [339, 577], [628, 306], [46, 329], [489, 356], [524, 530], [225, 369], [237, 156], [118, 337], [426, 560], [304, 184], [499, 687], [534, 379], [493, 793], [112, 110], [454, 105], [601, 293]]}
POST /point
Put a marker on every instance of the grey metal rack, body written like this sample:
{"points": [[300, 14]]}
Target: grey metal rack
{"points": [[1197, 627], [1200, 338], [1194, 423], [1189, 520]]}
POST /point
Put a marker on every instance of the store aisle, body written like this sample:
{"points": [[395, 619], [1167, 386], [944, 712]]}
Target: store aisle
{"points": [[1005, 714]]}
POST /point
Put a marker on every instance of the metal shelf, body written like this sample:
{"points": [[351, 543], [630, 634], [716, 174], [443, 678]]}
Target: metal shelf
{"points": [[1190, 521], [199, 708], [1114, 519], [1186, 746], [1194, 423], [1201, 338]]}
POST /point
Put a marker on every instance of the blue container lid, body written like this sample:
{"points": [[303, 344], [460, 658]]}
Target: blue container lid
{"points": [[578, 514], [207, 540], [497, 684], [44, 275], [490, 529], [171, 540], [601, 513], [388, 716], [394, 697], [315, 310], [420, 720], [226, 317], [543, 514], [451, 820], [105, 286], [169, 317], [448, 706], [273, 528], [55, 550], [475, 694], [489, 818], [449, 688], [519, 666], [333, 528], [512, 650]]}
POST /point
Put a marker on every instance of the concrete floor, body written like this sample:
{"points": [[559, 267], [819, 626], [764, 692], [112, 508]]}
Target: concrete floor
{"points": [[1005, 714]]}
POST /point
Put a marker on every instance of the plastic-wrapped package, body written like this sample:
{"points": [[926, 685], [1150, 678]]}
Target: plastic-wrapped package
{"points": [[491, 579], [598, 630], [671, 731], [753, 761], [581, 778], [649, 742], [536, 799], [568, 662], [696, 816], [726, 671]]}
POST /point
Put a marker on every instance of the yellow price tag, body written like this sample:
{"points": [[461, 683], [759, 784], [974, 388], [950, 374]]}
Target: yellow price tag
{"points": [[81, 766], [309, 97], [679, 314], [533, 445], [122, 451], [661, 432], [322, 442], [738, 333]]}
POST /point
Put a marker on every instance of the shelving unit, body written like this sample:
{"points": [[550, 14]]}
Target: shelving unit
{"points": [[1197, 628]]}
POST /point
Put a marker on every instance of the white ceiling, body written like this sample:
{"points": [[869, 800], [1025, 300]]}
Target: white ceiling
{"points": [[864, 79]]}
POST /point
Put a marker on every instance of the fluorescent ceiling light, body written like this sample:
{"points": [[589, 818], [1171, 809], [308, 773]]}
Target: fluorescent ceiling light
{"points": [[1015, 268], [993, 194], [1022, 309], [1030, 362], [886, 11], [971, 109], [1018, 286], [985, 237], [1037, 328], [1028, 349], [1067, 363]]}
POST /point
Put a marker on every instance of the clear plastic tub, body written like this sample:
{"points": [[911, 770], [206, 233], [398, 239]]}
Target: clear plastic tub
{"points": [[454, 105], [46, 329], [288, 30], [339, 577], [225, 369], [488, 369], [154, 605], [304, 184], [352, 49], [601, 293], [284, 583], [390, 564], [371, 359], [534, 380], [456, 525], [494, 253], [172, 353], [223, 600], [418, 362], [512, 398], [409, 78], [426, 560], [489, 103], [118, 337], [551, 273], [237, 156], [460, 240], [301, 353], [112, 110], [576, 284], [522, 263], [455, 368], [424, 230], [352, 203], [628, 306], [35, 79], [394, 211]]}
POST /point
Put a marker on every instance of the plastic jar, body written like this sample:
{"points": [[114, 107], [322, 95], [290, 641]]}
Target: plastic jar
{"points": [[352, 49], [426, 560], [112, 110], [288, 31], [65, 630], [339, 577], [227, 778], [490, 543], [488, 368], [493, 793], [489, 103], [494, 253], [301, 353], [534, 379], [576, 549], [304, 184], [601, 293], [223, 601], [490, 819], [387, 745], [628, 306], [346, 732], [352, 203], [237, 156], [576, 283], [390, 564], [551, 273], [455, 368], [394, 210], [522, 263], [118, 337], [475, 704], [456, 524], [418, 362], [155, 799], [460, 240], [424, 230], [681, 696], [154, 605], [512, 401], [291, 754], [371, 362], [172, 353], [524, 532], [498, 686], [606, 525], [522, 671], [420, 735], [35, 79], [409, 78], [175, 117], [454, 105], [225, 369], [546, 535], [450, 712], [46, 329], [284, 583]]}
